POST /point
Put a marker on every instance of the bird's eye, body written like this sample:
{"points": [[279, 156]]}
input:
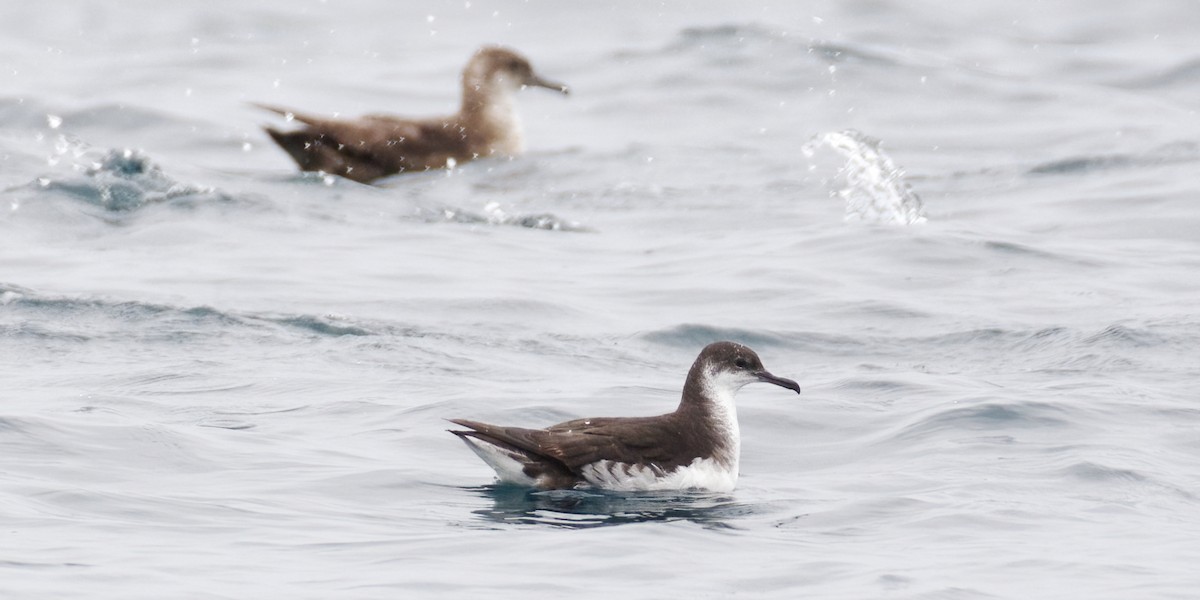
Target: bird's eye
{"points": [[741, 363]]}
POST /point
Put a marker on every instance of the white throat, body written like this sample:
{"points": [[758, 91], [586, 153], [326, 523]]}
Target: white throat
{"points": [[720, 387], [492, 110], [501, 113]]}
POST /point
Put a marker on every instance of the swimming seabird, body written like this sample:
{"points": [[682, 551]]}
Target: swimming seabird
{"points": [[375, 146], [695, 447]]}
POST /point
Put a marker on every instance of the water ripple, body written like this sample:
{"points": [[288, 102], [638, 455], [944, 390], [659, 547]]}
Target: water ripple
{"points": [[494, 215], [586, 509], [1174, 153], [691, 335], [80, 319]]}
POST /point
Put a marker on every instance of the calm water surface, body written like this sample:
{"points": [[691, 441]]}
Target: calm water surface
{"points": [[225, 379]]}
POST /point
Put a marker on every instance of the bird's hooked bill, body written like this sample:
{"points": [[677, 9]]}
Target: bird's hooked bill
{"points": [[550, 85], [779, 381]]}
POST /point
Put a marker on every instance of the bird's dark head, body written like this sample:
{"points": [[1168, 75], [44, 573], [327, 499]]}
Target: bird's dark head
{"points": [[727, 366], [504, 68]]}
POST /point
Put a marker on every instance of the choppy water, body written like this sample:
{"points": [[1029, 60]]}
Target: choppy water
{"points": [[223, 379]]}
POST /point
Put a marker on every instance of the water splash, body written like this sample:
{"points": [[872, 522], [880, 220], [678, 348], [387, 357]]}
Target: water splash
{"points": [[874, 187], [126, 180], [65, 146]]}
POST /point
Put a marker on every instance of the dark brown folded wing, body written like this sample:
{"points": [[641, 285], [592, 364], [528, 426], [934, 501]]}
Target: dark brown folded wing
{"points": [[577, 443], [370, 147]]}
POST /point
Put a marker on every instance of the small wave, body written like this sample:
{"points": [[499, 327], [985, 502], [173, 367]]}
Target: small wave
{"points": [[9, 292], [1131, 483], [24, 565], [1121, 335], [1061, 352], [1014, 249], [691, 336], [494, 215], [1047, 348], [322, 325], [838, 53], [1080, 164], [48, 317], [728, 31], [1056, 343], [1183, 74], [726, 37], [697, 336], [874, 189], [1091, 471], [878, 385], [982, 416], [230, 424], [122, 181], [1181, 152], [727, 40], [730, 47]]}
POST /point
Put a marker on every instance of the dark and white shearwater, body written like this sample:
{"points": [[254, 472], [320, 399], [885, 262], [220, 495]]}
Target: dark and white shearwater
{"points": [[695, 447], [375, 146]]}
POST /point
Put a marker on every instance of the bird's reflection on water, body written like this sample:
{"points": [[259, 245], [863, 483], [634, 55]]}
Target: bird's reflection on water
{"points": [[582, 509]]}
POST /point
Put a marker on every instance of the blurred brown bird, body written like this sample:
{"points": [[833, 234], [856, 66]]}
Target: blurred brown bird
{"points": [[375, 146]]}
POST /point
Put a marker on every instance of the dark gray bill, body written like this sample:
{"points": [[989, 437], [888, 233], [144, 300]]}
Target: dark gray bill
{"points": [[779, 381]]}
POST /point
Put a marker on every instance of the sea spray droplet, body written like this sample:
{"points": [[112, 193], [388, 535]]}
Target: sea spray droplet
{"points": [[874, 187]]}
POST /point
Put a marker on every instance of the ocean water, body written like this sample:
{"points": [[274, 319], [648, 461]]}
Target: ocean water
{"points": [[971, 231]]}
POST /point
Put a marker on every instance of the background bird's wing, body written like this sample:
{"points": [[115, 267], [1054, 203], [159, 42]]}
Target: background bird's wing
{"points": [[392, 144]]}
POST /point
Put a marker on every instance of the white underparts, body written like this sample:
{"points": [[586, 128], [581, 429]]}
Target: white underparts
{"points": [[702, 473]]}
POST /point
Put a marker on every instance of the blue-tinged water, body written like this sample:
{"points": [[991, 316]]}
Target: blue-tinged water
{"points": [[971, 231]]}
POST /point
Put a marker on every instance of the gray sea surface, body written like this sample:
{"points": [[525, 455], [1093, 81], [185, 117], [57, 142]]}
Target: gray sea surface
{"points": [[970, 230]]}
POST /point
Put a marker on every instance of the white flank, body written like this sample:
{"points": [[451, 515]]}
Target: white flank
{"points": [[508, 468], [701, 474]]}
